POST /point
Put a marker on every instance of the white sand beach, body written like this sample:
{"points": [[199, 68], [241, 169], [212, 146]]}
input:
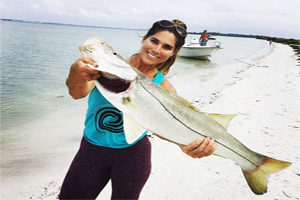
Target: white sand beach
{"points": [[266, 98]]}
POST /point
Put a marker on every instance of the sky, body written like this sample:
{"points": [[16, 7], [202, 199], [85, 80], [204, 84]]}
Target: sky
{"points": [[276, 18]]}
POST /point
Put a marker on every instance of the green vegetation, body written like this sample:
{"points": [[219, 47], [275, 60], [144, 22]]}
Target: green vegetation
{"points": [[274, 39], [280, 40]]}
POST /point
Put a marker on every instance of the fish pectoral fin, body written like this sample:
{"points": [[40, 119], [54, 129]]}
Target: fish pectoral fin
{"points": [[257, 179], [132, 129], [223, 119]]}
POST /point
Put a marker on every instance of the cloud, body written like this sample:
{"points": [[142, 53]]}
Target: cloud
{"points": [[270, 17], [56, 6]]}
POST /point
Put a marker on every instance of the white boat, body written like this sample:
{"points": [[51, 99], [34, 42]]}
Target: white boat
{"points": [[194, 50]]}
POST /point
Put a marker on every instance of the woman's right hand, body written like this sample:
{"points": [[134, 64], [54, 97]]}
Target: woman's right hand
{"points": [[81, 66], [80, 77]]}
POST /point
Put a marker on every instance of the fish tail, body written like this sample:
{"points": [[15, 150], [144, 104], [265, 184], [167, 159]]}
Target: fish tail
{"points": [[257, 179]]}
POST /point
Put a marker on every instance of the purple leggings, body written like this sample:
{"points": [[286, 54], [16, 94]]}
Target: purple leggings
{"points": [[93, 166]]}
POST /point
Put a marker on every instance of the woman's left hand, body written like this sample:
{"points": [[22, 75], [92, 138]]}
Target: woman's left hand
{"points": [[199, 148]]}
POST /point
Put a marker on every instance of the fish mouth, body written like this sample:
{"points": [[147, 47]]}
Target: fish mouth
{"points": [[113, 83], [85, 49]]}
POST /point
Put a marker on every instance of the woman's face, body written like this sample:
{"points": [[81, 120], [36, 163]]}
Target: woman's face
{"points": [[158, 48]]}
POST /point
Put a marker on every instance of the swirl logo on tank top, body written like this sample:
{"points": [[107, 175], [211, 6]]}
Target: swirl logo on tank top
{"points": [[109, 119]]}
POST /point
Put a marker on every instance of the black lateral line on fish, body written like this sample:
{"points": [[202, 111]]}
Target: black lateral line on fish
{"points": [[193, 129]]}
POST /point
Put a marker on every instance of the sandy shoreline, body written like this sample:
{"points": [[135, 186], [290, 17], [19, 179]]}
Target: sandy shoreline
{"points": [[266, 97]]}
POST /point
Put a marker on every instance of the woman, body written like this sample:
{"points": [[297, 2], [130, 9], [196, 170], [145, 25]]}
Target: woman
{"points": [[104, 154]]}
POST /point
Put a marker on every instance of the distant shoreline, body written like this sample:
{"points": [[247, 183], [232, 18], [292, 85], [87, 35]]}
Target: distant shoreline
{"points": [[294, 43], [274, 39], [262, 37], [62, 24]]}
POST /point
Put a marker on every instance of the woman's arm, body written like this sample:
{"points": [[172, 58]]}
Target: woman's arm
{"points": [[79, 79]]}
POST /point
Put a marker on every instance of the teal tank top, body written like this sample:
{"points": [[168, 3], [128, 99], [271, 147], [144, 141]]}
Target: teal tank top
{"points": [[104, 122]]}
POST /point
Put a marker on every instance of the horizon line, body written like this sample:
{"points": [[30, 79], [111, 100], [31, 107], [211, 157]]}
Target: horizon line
{"points": [[108, 27]]}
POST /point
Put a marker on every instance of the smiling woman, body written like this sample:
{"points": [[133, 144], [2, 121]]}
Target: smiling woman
{"points": [[155, 50], [42, 125], [157, 54]]}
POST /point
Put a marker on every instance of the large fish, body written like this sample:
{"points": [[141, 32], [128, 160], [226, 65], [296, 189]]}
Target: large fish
{"points": [[147, 106]]}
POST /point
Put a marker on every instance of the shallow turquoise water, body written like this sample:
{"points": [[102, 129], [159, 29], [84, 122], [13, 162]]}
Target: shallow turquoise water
{"points": [[35, 61]]}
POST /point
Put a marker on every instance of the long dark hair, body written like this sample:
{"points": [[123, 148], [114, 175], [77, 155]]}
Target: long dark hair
{"points": [[156, 27]]}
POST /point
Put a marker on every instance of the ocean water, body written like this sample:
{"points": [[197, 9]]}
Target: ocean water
{"points": [[35, 61]]}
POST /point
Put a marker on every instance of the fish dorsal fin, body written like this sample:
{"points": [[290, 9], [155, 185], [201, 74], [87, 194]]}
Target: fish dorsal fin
{"points": [[189, 104], [223, 119], [179, 99], [132, 129]]}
